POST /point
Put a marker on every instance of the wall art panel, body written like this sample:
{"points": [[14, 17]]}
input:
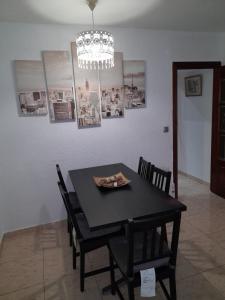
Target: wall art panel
{"points": [[59, 78], [30, 88], [134, 83], [112, 95], [87, 94]]}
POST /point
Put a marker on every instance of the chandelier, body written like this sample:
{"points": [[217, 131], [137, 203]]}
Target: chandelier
{"points": [[95, 48]]}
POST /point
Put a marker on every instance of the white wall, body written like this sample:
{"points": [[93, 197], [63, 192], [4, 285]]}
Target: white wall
{"points": [[194, 126], [31, 146], [1, 220]]}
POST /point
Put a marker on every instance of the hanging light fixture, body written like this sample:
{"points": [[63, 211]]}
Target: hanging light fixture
{"points": [[95, 48]]}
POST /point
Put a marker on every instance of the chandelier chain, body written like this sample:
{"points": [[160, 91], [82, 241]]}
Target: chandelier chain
{"points": [[93, 20]]}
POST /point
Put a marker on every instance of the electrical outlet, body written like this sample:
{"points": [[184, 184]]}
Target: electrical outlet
{"points": [[166, 129]]}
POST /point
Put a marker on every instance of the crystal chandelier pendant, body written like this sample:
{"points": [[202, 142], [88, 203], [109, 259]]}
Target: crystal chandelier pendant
{"points": [[95, 48]]}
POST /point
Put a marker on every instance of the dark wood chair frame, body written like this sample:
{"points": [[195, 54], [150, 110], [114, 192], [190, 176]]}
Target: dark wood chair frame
{"points": [[159, 178], [62, 182], [84, 245], [61, 177], [144, 168], [156, 177], [162, 273]]}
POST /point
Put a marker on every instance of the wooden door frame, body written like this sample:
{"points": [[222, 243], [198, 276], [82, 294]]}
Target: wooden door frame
{"points": [[187, 66]]}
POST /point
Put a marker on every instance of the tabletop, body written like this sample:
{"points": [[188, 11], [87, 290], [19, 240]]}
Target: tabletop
{"points": [[106, 207]]}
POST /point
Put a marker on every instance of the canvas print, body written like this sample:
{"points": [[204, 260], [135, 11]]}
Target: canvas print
{"points": [[30, 88], [111, 82], [134, 83], [87, 94], [59, 78], [193, 86]]}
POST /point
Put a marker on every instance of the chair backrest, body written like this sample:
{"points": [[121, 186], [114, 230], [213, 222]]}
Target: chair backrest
{"points": [[160, 179], [146, 242], [61, 177], [69, 210], [144, 168]]}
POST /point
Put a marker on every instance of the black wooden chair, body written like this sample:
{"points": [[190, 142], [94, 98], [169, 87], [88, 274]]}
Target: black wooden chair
{"points": [[144, 168], [131, 254], [73, 201], [87, 240], [72, 195], [160, 179]]}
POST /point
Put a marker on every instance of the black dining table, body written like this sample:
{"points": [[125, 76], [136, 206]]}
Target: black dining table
{"points": [[105, 207]]}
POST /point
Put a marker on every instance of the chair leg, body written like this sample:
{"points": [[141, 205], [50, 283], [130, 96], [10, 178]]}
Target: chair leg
{"points": [[70, 229], [68, 225], [172, 280], [164, 232], [112, 274], [130, 291], [71, 237], [74, 257], [82, 267]]}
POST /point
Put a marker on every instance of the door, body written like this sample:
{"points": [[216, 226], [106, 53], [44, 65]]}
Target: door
{"points": [[218, 134]]}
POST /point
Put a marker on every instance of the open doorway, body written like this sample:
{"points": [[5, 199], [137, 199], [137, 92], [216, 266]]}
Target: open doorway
{"points": [[194, 130], [190, 162]]}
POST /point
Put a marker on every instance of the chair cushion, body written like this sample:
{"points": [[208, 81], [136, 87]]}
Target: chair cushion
{"points": [[74, 202], [119, 248], [100, 233]]}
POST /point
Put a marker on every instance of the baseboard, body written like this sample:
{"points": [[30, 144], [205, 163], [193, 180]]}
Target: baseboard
{"points": [[194, 178]]}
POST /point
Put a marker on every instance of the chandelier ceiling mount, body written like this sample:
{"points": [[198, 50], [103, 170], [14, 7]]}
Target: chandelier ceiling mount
{"points": [[92, 4]]}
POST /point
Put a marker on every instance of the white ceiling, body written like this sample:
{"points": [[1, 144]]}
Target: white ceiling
{"points": [[192, 15]]}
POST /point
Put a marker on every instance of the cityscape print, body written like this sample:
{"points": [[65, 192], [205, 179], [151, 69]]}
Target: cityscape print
{"points": [[134, 83], [111, 82], [30, 88], [59, 78], [87, 94], [73, 92]]}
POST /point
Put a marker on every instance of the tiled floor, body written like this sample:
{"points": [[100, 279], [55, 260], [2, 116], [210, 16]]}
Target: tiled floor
{"points": [[36, 264]]}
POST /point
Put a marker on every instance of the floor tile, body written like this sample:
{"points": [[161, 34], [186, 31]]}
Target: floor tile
{"points": [[57, 262], [197, 288], [98, 258], [67, 288], [32, 293], [52, 236], [216, 278], [185, 268], [21, 273], [19, 244]]}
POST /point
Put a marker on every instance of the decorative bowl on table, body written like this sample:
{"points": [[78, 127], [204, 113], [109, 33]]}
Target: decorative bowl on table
{"points": [[114, 181]]}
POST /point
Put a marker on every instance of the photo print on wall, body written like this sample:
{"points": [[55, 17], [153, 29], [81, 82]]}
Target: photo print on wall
{"points": [[193, 86], [87, 94], [59, 78], [134, 83], [111, 82], [30, 88]]}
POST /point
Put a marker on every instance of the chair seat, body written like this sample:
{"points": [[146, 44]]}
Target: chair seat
{"points": [[119, 248], [100, 233], [75, 205]]}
